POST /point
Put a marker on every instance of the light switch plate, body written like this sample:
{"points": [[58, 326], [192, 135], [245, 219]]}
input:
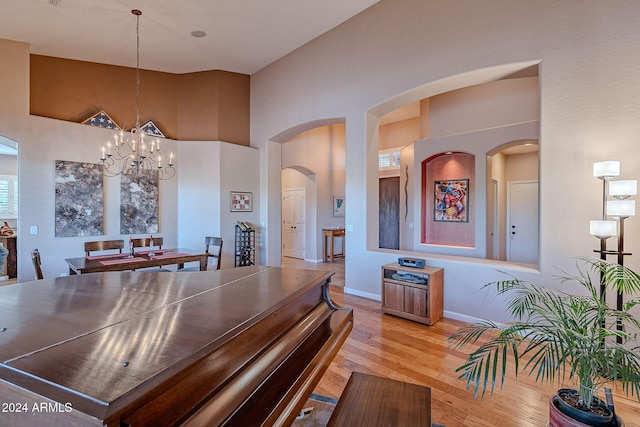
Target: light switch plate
{"points": [[33, 229]]}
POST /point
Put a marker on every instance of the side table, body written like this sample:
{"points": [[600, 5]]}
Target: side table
{"points": [[331, 234]]}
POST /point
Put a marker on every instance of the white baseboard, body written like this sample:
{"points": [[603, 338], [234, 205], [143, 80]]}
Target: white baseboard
{"points": [[315, 261], [350, 291]]}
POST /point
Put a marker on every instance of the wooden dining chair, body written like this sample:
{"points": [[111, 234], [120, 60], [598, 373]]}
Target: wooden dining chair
{"points": [[35, 257], [213, 247], [103, 245], [145, 242]]}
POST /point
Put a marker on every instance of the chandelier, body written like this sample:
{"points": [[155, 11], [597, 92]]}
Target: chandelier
{"points": [[134, 152]]}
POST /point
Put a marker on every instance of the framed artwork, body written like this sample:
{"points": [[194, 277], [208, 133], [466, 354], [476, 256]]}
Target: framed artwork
{"points": [[79, 207], [241, 201], [451, 200], [139, 203], [338, 206]]}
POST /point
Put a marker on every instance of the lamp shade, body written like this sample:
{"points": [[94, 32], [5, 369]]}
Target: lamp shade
{"points": [[606, 169], [623, 188], [621, 208], [603, 229]]}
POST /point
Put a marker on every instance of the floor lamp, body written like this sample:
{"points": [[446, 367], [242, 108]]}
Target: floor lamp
{"points": [[619, 209]]}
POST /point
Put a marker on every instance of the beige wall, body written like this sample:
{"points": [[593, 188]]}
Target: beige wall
{"points": [[8, 165], [399, 134], [484, 106]]}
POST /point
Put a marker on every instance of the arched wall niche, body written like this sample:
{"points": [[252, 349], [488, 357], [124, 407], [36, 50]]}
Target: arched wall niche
{"points": [[448, 183], [475, 142]]}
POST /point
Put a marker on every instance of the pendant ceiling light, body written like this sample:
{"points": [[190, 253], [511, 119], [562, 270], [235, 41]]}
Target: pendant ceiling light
{"points": [[135, 152]]}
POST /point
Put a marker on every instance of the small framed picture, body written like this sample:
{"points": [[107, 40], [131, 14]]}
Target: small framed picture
{"points": [[338, 205], [241, 201]]}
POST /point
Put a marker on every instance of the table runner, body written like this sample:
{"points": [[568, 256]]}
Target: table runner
{"points": [[92, 257], [169, 255], [121, 261]]}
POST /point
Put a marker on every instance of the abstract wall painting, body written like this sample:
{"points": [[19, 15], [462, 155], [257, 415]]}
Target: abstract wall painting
{"points": [[79, 206], [451, 202], [241, 201], [338, 206], [139, 200]]}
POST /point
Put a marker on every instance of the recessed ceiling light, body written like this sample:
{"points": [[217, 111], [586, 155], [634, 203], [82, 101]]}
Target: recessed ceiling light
{"points": [[198, 33]]}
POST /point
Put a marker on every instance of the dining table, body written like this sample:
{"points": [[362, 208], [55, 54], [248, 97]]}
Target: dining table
{"points": [[137, 260]]}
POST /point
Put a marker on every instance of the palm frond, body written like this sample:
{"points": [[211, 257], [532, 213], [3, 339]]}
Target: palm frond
{"points": [[558, 334]]}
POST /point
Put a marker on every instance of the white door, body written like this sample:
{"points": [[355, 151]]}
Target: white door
{"points": [[522, 222], [293, 223]]}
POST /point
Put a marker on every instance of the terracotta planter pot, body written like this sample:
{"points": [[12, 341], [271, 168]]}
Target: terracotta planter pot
{"points": [[559, 419]]}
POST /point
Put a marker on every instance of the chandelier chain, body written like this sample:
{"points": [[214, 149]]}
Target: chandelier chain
{"points": [[137, 71]]}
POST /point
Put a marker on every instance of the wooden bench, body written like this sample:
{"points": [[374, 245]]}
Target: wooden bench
{"points": [[371, 401]]}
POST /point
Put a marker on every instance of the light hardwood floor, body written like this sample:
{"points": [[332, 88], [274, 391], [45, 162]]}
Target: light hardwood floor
{"points": [[396, 348]]}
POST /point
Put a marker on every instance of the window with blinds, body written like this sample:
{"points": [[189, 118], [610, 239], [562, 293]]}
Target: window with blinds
{"points": [[389, 159], [8, 196]]}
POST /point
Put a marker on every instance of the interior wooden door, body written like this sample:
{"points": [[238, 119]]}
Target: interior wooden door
{"points": [[293, 214], [389, 214], [522, 212]]}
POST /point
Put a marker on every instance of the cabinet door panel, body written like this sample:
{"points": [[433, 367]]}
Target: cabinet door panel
{"points": [[415, 301], [394, 296]]}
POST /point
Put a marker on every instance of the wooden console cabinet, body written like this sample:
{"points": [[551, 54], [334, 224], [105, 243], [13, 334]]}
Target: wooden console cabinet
{"points": [[413, 293]]}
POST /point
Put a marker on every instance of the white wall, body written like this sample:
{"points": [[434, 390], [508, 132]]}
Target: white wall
{"points": [[400, 51], [204, 201]]}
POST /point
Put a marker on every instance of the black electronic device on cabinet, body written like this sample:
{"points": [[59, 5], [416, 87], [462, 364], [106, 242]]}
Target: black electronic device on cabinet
{"points": [[411, 262]]}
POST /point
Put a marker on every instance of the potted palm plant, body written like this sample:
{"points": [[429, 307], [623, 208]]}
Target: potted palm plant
{"points": [[559, 335]]}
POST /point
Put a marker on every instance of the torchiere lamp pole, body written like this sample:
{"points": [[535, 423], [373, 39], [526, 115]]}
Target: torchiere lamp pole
{"points": [[620, 209]]}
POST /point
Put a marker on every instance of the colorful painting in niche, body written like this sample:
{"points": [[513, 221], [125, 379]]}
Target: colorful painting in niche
{"points": [[451, 202], [79, 209], [139, 195]]}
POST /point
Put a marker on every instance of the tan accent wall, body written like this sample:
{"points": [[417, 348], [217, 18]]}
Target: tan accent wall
{"points": [[214, 105], [211, 105]]}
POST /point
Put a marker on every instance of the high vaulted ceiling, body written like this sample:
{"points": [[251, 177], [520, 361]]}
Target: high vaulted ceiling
{"points": [[242, 36]]}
